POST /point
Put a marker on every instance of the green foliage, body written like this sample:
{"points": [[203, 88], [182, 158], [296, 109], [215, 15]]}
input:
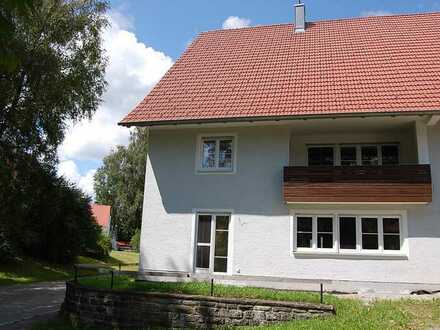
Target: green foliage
{"points": [[135, 241], [120, 183], [51, 73], [105, 245], [54, 221], [59, 74]]}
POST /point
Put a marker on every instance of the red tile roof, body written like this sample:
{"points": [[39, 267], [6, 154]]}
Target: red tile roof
{"points": [[363, 65], [101, 214]]}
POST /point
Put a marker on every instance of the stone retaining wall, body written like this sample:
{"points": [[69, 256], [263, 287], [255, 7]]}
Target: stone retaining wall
{"points": [[128, 309]]}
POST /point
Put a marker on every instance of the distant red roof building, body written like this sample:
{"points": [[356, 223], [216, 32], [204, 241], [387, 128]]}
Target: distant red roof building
{"points": [[102, 215], [339, 67]]}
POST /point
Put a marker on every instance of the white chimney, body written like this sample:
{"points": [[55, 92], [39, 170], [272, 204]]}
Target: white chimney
{"points": [[300, 17]]}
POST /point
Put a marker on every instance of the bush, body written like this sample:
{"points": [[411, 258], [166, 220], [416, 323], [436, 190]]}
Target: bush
{"points": [[7, 249], [104, 245], [135, 241], [45, 216]]}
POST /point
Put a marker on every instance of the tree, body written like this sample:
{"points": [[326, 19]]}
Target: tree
{"points": [[120, 183], [58, 77], [51, 73]]}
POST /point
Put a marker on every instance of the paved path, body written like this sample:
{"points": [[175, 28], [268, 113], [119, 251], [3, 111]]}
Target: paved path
{"points": [[21, 305]]}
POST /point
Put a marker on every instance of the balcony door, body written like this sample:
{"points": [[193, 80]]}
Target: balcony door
{"points": [[212, 243]]}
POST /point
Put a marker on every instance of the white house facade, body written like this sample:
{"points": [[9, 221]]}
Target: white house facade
{"points": [[346, 196]]}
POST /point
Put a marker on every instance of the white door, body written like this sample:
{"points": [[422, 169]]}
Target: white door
{"points": [[212, 243]]}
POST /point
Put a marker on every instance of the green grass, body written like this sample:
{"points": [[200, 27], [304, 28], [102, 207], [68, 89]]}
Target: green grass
{"points": [[25, 270], [351, 313], [198, 288]]}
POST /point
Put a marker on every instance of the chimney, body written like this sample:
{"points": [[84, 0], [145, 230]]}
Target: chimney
{"points": [[300, 17]]}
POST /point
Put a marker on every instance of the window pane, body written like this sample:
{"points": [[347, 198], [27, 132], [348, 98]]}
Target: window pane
{"points": [[321, 156], [221, 243], [391, 237], [391, 226], [391, 242], [325, 224], [222, 222], [390, 155], [202, 257], [369, 155], [208, 154], [370, 237], [347, 231], [325, 241], [369, 225], [304, 224], [304, 240], [348, 156], [225, 155], [221, 265], [370, 242], [204, 229], [325, 232]]}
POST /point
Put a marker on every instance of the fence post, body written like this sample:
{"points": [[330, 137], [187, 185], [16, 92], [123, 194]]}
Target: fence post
{"points": [[76, 274], [212, 286], [111, 281], [322, 292]]}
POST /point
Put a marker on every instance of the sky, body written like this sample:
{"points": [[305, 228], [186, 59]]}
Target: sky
{"points": [[146, 37]]}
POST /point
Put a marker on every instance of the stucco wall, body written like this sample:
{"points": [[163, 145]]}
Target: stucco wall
{"points": [[260, 242]]}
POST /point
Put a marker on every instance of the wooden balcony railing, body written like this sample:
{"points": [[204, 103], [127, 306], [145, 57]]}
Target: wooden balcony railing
{"points": [[404, 184]]}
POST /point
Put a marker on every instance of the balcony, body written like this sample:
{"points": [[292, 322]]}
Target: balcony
{"points": [[391, 184]]}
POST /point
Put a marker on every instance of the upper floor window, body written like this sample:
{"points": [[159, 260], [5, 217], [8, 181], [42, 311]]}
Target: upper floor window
{"points": [[353, 155], [216, 154]]}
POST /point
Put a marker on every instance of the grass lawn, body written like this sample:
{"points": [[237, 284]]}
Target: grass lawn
{"points": [[25, 270], [351, 314]]}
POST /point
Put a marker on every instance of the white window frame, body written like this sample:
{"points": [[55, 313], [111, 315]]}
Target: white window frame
{"points": [[193, 258], [336, 252], [217, 137], [337, 151]]}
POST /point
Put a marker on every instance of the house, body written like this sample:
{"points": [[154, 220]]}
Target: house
{"points": [[305, 151], [102, 214]]}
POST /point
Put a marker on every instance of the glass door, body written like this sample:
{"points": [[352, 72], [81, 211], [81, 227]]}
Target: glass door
{"points": [[212, 242]]}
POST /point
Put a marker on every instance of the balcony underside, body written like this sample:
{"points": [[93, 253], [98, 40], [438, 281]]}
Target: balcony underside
{"points": [[399, 184]]}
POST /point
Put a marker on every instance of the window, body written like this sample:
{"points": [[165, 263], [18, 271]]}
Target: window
{"points": [[370, 234], [321, 156], [348, 156], [216, 154], [212, 242], [348, 234], [370, 155], [314, 232], [353, 155], [325, 232], [391, 234], [305, 232]]}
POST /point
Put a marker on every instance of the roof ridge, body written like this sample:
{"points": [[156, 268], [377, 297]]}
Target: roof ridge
{"points": [[357, 18]]}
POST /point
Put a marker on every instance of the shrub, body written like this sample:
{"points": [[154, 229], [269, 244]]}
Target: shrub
{"points": [[45, 216], [136, 240]]}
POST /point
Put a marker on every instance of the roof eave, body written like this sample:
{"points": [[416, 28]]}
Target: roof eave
{"points": [[274, 118]]}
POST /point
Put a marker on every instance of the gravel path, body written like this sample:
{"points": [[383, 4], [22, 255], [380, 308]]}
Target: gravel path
{"points": [[21, 305]]}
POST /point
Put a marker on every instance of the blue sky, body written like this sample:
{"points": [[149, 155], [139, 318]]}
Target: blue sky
{"points": [[168, 25], [145, 38]]}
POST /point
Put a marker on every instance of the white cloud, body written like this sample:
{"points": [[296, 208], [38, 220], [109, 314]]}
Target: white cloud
{"points": [[133, 69], [376, 13], [70, 171], [234, 22]]}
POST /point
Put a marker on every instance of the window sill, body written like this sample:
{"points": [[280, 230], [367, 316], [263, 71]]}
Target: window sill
{"points": [[203, 172], [349, 255]]}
